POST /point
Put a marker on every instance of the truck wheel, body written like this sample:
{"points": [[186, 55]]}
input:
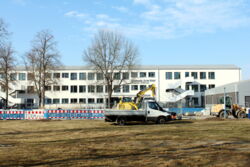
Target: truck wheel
{"points": [[161, 120], [241, 114], [121, 121], [221, 114]]}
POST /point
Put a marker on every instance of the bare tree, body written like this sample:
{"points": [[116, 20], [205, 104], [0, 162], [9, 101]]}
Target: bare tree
{"points": [[7, 64], [111, 53], [3, 32], [41, 61]]}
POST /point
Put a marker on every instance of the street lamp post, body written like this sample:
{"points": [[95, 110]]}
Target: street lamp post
{"points": [[225, 112]]}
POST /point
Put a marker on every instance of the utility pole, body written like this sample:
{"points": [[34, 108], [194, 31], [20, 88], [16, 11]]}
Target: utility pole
{"points": [[225, 112]]}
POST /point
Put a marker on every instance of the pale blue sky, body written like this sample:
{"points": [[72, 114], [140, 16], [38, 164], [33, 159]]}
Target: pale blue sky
{"points": [[166, 32]]}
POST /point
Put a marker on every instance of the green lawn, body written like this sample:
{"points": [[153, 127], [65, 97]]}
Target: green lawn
{"points": [[97, 143]]}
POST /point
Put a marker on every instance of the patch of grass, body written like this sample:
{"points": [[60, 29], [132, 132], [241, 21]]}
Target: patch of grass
{"points": [[96, 143]]}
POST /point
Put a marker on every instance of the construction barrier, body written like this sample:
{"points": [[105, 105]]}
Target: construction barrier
{"points": [[14, 115], [185, 110], [35, 114], [249, 113], [1, 114], [97, 114], [52, 114]]}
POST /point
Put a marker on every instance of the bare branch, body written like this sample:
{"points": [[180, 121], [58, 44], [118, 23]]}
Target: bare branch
{"points": [[110, 52], [42, 60]]}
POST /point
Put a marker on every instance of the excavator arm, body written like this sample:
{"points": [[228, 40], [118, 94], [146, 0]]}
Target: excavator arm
{"points": [[138, 99]]}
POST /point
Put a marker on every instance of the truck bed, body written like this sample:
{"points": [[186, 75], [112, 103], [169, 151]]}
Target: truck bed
{"points": [[125, 112]]}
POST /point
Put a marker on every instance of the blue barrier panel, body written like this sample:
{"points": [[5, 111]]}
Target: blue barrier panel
{"points": [[1, 115], [249, 113], [185, 110], [97, 114], [57, 114], [14, 115]]}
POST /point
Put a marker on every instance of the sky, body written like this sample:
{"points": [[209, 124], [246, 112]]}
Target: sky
{"points": [[166, 32]]}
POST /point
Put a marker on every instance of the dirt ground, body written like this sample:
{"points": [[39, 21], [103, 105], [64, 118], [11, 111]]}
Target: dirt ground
{"points": [[208, 142]]}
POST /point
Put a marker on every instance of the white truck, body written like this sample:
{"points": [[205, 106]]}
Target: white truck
{"points": [[150, 110]]}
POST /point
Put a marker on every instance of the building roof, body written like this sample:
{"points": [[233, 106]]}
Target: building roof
{"points": [[230, 87], [156, 67]]}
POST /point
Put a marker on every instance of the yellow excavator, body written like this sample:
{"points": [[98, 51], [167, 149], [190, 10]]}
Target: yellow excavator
{"points": [[135, 105]]}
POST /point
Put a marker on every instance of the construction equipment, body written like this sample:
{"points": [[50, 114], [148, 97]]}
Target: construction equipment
{"points": [[136, 104], [231, 109]]}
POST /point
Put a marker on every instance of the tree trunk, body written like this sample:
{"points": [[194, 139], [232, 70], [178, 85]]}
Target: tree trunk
{"points": [[109, 99], [7, 97], [40, 98], [43, 97]]}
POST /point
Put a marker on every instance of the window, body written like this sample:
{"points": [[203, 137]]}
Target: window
{"points": [[117, 89], [30, 76], [125, 88], [30, 89], [2, 76], [194, 74], [134, 87], [202, 75], [151, 74], [195, 101], [48, 101], [134, 74], [177, 75], [143, 74], [65, 101], [73, 76], [82, 76], [117, 76], [82, 88], [211, 75], [21, 91], [48, 75], [22, 76], [91, 88], [153, 106], [203, 88], [99, 100], [56, 75], [65, 87], [195, 88], [56, 88], [125, 75], [13, 76], [143, 87], [211, 86], [56, 101], [73, 101], [91, 100], [168, 75], [65, 75], [106, 88], [99, 76], [73, 89], [186, 74], [91, 76], [47, 88], [82, 100], [99, 89]]}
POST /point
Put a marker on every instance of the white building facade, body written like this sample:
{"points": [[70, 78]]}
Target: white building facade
{"points": [[82, 87]]}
